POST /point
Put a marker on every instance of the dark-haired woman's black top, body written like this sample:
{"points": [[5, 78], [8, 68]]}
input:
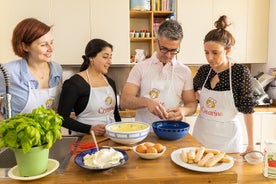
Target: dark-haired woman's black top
{"points": [[75, 95], [241, 85]]}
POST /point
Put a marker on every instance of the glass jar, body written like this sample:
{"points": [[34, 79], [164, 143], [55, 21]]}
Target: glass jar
{"points": [[269, 167], [139, 56]]}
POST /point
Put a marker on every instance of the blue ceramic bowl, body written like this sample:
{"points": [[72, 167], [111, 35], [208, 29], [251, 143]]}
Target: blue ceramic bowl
{"points": [[170, 130]]}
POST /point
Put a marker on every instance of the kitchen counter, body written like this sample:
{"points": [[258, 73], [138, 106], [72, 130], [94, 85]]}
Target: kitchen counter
{"points": [[161, 170], [260, 109]]}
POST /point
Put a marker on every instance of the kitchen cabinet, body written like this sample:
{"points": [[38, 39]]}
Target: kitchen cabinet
{"points": [[146, 20], [257, 127], [245, 16], [268, 130], [71, 30], [11, 13], [77, 23], [74, 24], [191, 121], [110, 21]]}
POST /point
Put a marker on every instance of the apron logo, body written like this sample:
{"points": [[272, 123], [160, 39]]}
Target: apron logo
{"points": [[50, 103], [102, 110], [154, 93], [211, 103], [108, 101]]}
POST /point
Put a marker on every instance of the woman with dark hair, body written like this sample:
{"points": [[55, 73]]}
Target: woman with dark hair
{"points": [[35, 79], [225, 89], [90, 93]]}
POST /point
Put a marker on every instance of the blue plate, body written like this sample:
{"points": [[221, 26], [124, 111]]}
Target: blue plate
{"points": [[79, 159]]}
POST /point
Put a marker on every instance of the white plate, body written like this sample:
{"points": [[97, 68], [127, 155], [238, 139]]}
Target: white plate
{"points": [[52, 166], [176, 158]]}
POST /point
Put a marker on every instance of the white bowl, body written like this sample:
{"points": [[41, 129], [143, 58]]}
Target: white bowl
{"points": [[127, 132], [149, 155]]}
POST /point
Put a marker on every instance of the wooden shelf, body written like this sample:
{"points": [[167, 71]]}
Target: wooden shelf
{"points": [[145, 20], [140, 39], [140, 14]]}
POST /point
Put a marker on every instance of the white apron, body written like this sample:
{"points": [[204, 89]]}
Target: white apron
{"points": [[49, 98], [100, 106], [162, 90], [217, 125]]}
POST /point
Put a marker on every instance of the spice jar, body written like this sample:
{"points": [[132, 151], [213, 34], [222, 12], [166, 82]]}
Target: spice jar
{"points": [[269, 167]]}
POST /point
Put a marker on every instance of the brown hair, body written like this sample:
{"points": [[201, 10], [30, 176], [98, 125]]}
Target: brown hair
{"points": [[92, 49], [220, 34], [27, 31]]}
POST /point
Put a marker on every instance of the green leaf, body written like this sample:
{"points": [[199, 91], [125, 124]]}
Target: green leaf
{"points": [[41, 126]]}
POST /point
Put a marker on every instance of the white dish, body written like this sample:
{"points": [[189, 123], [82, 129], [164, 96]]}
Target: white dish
{"points": [[176, 158], [149, 155], [52, 166]]}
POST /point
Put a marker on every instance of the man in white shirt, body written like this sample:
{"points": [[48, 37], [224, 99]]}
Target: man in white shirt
{"points": [[161, 87]]}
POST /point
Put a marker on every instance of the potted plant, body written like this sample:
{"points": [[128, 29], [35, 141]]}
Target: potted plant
{"points": [[30, 134]]}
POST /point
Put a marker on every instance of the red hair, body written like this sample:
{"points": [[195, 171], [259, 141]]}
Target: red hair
{"points": [[27, 31]]}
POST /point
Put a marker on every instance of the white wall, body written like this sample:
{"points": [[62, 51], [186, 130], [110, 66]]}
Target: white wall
{"points": [[271, 42]]}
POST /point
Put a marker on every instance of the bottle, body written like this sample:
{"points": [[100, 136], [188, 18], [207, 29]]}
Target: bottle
{"points": [[269, 167]]}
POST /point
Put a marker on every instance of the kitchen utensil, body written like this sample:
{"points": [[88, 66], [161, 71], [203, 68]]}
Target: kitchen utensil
{"points": [[170, 130], [149, 156], [127, 132], [78, 147], [79, 159], [125, 148], [261, 97], [219, 167], [254, 157], [94, 139]]}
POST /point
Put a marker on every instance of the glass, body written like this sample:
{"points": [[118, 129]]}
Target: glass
{"points": [[165, 50]]}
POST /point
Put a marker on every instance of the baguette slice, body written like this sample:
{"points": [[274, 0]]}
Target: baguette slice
{"points": [[214, 151], [199, 154], [184, 156], [191, 154], [225, 159], [214, 160], [207, 157]]}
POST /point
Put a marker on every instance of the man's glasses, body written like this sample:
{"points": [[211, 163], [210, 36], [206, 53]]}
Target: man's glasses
{"points": [[165, 50]]}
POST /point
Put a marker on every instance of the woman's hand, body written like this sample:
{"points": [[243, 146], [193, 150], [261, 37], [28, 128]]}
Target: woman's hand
{"points": [[99, 129], [248, 149]]}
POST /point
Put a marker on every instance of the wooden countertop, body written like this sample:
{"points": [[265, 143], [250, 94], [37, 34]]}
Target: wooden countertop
{"points": [[260, 109], [161, 170]]}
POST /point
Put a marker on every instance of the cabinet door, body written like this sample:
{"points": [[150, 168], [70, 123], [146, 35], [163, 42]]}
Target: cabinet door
{"points": [[191, 120], [196, 19], [256, 130], [268, 127], [257, 32], [71, 30], [11, 13], [236, 11], [110, 21]]}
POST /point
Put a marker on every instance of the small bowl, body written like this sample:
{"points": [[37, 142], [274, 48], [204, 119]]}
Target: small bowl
{"points": [[127, 132], [149, 155], [170, 130], [254, 157]]}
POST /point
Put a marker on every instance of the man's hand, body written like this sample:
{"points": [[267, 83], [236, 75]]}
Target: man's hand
{"points": [[175, 114], [157, 109]]}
